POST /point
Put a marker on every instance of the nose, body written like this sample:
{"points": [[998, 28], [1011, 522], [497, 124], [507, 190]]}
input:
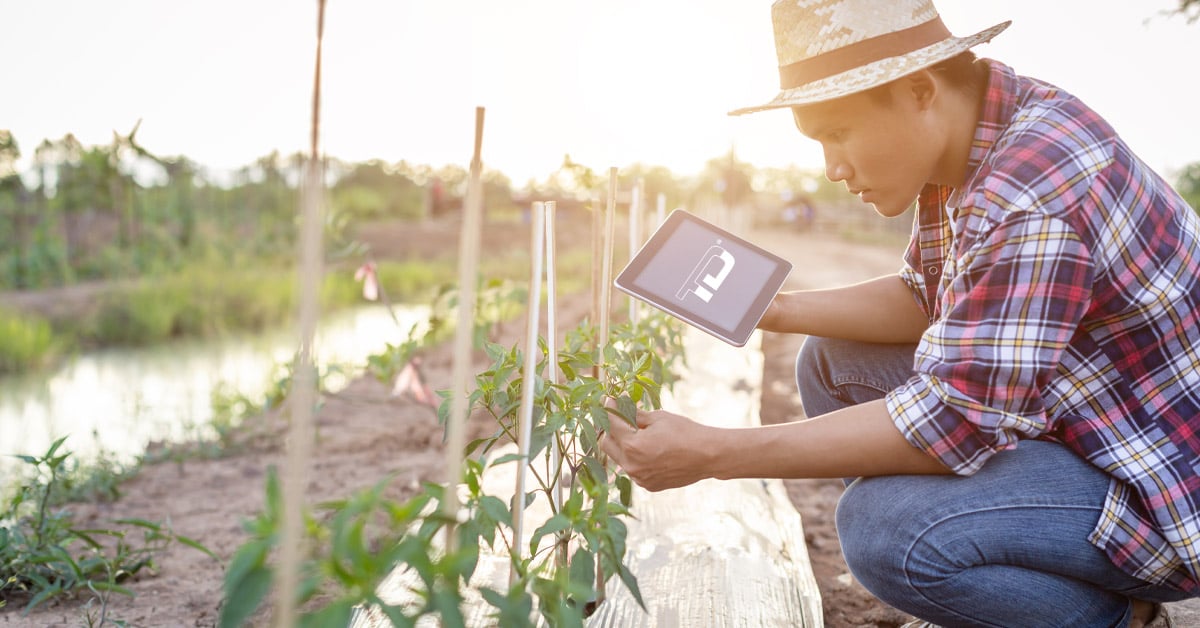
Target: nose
{"points": [[836, 168]]}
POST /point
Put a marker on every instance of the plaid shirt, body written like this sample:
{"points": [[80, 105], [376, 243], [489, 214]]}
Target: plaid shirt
{"points": [[1064, 305]]}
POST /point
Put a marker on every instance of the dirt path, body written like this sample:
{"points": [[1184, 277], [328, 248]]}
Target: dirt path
{"points": [[822, 262], [365, 434]]}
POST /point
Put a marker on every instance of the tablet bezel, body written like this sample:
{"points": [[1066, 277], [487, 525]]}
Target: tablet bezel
{"points": [[737, 336]]}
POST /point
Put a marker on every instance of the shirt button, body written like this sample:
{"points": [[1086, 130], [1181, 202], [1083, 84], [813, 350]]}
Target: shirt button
{"points": [[932, 270]]}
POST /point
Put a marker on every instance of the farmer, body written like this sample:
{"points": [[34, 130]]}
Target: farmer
{"points": [[1021, 402]]}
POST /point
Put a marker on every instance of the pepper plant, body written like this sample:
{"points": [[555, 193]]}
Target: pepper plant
{"points": [[357, 543]]}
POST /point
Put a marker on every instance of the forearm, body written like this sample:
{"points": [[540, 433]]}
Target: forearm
{"points": [[857, 441], [879, 310]]}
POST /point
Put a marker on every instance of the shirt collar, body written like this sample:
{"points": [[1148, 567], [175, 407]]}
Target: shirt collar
{"points": [[999, 106]]}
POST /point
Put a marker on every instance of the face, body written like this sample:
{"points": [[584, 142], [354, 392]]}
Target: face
{"points": [[883, 151]]}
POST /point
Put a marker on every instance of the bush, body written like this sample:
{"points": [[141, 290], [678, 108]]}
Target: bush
{"points": [[25, 341], [1188, 185], [140, 315]]}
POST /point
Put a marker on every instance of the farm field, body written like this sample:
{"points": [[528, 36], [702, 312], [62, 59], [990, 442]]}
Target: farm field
{"points": [[365, 434]]}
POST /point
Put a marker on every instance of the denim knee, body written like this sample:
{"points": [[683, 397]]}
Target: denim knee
{"points": [[814, 377], [833, 373], [869, 524]]}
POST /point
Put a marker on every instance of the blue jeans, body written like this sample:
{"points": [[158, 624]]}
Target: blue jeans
{"points": [[1004, 547]]}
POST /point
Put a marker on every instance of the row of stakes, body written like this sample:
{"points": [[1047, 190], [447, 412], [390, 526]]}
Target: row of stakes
{"points": [[542, 268]]}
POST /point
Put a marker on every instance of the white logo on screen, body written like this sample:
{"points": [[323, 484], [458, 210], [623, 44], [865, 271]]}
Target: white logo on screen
{"points": [[703, 284]]}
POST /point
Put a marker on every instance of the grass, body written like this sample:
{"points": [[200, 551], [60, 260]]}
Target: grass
{"points": [[26, 342], [207, 301]]}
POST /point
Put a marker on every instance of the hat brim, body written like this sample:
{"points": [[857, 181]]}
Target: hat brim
{"points": [[874, 74]]}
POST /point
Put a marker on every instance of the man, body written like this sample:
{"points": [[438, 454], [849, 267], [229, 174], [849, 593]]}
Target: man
{"points": [[1021, 403]]}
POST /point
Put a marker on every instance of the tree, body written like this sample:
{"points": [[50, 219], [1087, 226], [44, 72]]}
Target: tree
{"points": [[1189, 9], [13, 209], [374, 189]]}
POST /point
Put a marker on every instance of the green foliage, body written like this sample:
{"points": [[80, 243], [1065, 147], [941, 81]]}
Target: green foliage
{"points": [[1187, 183], [45, 554], [205, 300], [495, 301], [26, 342], [373, 189], [358, 542]]}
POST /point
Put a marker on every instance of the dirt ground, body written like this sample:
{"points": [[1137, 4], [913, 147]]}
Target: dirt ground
{"points": [[365, 433]]}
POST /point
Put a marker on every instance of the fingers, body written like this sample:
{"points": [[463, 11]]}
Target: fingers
{"points": [[611, 447], [620, 424]]}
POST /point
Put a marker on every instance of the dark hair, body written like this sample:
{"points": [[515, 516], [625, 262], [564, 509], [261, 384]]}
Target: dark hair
{"points": [[961, 72]]}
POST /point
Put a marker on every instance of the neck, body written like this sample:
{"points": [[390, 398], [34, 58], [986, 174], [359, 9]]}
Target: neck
{"points": [[963, 108]]}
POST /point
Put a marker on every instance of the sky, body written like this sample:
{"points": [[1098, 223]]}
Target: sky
{"points": [[611, 83]]}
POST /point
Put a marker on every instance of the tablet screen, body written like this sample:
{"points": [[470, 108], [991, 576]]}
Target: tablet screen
{"points": [[706, 276]]}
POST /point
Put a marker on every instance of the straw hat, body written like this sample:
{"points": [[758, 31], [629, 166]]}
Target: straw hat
{"points": [[833, 48]]}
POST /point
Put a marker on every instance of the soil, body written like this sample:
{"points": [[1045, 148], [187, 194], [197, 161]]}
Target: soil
{"points": [[365, 433]]}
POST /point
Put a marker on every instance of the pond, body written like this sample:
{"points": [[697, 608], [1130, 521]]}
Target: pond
{"points": [[116, 401]]}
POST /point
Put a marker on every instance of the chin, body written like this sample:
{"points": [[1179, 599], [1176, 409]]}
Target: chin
{"points": [[888, 211]]}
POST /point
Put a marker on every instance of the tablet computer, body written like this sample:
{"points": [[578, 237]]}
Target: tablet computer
{"points": [[705, 276]]}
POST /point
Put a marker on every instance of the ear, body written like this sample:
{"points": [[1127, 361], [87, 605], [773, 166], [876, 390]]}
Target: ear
{"points": [[922, 87]]}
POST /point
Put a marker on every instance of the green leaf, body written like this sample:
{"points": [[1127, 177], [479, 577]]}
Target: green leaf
{"points": [[245, 561], [48, 591], [336, 614], [196, 545], [630, 582], [240, 603], [583, 568], [495, 509], [101, 585], [625, 488], [628, 409], [557, 523], [506, 458]]}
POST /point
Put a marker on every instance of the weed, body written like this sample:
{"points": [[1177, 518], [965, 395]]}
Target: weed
{"points": [[43, 554]]}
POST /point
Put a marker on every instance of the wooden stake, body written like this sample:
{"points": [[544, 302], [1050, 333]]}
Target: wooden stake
{"points": [[597, 259], [468, 268], [528, 387], [635, 236], [606, 266], [556, 450], [304, 383], [602, 338]]}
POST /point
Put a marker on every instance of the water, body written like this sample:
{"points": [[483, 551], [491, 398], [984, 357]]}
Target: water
{"points": [[117, 401]]}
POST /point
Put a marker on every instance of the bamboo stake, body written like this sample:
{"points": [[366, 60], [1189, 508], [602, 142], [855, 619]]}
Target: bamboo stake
{"points": [[602, 339], [468, 266], [635, 236], [556, 452], [528, 388], [606, 265], [661, 210], [303, 397], [597, 259]]}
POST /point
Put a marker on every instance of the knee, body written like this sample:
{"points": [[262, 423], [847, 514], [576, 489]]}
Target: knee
{"points": [[876, 531], [816, 365]]}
